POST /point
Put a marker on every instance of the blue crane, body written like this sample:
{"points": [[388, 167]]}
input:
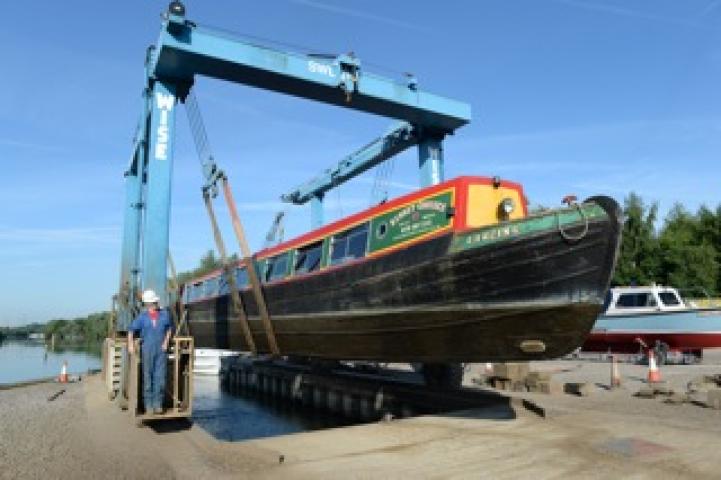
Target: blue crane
{"points": [[184, 50], [393, 142]]}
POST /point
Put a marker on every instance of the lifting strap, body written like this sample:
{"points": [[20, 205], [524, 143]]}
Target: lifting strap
{"points": [[237, 304], [250, 268]]}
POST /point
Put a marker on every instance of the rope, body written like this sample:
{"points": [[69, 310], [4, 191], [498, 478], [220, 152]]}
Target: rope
{"points": [[567, 236], [381, 181]]}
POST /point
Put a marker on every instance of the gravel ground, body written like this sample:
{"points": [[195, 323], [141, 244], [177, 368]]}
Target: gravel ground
{"points": [[55, 439], [623, 401], [81, 434]]}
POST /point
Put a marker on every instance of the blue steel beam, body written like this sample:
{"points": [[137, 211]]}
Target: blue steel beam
{"points": [[382, 148], [131, 242], [157, 204], [135, 176], [430, 161], [185, 50]]}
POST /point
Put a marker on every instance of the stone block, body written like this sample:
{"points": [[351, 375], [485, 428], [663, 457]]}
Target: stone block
{"points": [[646, 392], [661, 388], [502, 384], [580, 389], [713, 398], [534, 377], [552, 388], [511, 371], [677, 399]]}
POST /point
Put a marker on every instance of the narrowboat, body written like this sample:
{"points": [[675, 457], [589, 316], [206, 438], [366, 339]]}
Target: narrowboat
{"points": [[637, 318], [456, 272]]}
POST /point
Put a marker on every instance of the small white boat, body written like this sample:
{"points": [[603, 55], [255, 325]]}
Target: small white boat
{"points": [[654, 317], [207, 360]]}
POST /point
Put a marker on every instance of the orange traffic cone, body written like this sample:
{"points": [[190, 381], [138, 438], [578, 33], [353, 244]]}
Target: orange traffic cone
{"points": [[63, 378], [654, 375], [615, 375]]}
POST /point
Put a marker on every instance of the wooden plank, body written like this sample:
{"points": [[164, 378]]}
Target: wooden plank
{"points": [[250, 268], [233, 287]]}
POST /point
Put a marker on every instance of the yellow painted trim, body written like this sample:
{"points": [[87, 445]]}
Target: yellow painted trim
{"points": [[483, 201]]}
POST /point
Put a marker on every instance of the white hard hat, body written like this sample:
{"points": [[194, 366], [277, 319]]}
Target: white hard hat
{"points": [[149, 296]]}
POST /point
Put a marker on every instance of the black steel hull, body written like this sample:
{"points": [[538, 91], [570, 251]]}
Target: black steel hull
{"points": [[429, 303]]}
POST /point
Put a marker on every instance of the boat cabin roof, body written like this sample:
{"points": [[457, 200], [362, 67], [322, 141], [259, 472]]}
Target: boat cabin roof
{"points": [[457, 187], [643, 299]]}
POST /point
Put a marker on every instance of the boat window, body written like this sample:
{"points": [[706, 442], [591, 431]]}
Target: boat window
{"points": [[276, 267], [195, 291], [210, 287], [349, 244], [669, 299], [308, 258], [241, 277], [223, 286], [631, 300]]}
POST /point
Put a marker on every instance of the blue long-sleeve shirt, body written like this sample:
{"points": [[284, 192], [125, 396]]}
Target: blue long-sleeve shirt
{"points": [[152, 335]]}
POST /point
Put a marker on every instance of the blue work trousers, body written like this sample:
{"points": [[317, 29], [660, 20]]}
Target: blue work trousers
{"points": [[154, 367]]}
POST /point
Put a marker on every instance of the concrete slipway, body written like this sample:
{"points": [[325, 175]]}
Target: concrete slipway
{"points": [[607, 435]]}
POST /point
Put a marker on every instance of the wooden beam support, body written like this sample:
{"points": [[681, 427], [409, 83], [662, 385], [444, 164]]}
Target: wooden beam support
{"points": [[250, 268], [233, 287]]}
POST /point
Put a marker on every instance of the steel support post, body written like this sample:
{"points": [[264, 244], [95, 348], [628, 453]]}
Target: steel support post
{"points": [[430, 161], [156, 227], [131, 243], [316, 211], [133, 222]]}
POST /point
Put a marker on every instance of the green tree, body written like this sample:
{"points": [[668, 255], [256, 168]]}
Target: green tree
{"points": [[689, 251], [638, 261], [208, 263]]}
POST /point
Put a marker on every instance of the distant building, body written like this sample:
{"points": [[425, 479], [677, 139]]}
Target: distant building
{"points": [[36, 336]]}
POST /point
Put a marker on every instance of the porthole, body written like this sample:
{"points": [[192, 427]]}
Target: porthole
{"points": [[382, 230]]}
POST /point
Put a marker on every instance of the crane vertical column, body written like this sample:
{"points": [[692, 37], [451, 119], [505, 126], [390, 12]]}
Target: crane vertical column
{"points": [[131, 243], [316, 211], [430, 160], [133, 221], [157, 209]]}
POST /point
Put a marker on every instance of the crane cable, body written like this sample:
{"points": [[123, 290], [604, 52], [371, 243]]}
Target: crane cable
{"points": [[381, 181]]}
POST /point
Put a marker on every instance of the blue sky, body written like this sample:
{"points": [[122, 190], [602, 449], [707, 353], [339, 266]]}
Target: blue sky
{"points": [[568, 96]]}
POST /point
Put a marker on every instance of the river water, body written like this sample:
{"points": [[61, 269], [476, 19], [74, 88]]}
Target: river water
{"points": [[21, 361], [224, 416], [233, 418]]}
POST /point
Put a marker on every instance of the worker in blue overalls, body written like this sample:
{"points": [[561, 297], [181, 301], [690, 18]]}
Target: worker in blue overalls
{"points": [[155, 329]]}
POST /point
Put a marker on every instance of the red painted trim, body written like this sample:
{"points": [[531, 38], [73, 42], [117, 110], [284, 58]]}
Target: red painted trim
{"points": [[627, 342], [459, 219], [459, 185]]}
